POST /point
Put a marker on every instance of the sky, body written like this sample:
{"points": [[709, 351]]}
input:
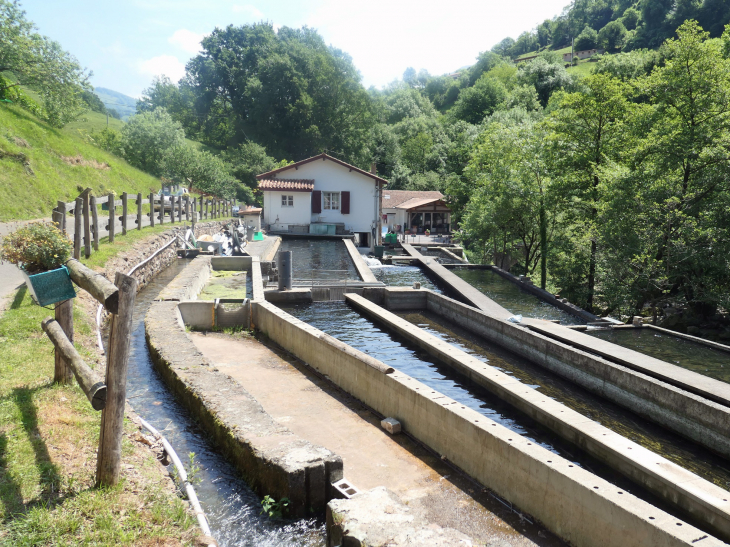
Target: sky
{"points": [[128, 42]]}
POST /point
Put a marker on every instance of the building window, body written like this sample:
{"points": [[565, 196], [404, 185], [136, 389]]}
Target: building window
{"points": [[331, 200], [287, 201]]}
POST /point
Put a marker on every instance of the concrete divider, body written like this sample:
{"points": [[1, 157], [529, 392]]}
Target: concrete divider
{"points": [[363, 270], [456, 285], [703, 421], [575, 504], [698, 498], [208, 315], [188, 283]]}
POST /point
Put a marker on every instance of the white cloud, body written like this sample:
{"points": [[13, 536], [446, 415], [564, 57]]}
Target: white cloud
{"points": [[248, 10], [187, 40], [166, 65]]}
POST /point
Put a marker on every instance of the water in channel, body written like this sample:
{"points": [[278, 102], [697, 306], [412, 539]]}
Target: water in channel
{"points": [[647, 434], [232, 508], [403, 276], [319, 259], [511, 297], [347, 325], [678, 351]]}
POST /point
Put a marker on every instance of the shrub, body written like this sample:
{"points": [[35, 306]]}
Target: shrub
{"points": [[36, 247]]}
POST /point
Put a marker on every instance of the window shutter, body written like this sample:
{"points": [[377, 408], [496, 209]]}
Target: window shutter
{"points": [[345, 203], [317, 201]]}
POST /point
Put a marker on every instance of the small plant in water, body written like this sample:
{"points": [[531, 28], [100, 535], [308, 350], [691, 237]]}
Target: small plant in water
{"points": [[193, 469], [274, 509]]}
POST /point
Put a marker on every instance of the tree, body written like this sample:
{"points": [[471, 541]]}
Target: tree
{"points": [[480, 100], [200, 170], [147, 137], [30, 60], [588, 131], [247, 160], [545, 77], [587, 39], [631, 18], [544, 33], [612, 36], [679, 190]]}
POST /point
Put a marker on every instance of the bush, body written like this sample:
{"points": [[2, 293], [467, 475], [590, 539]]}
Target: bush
{"points": [[36, 247]]}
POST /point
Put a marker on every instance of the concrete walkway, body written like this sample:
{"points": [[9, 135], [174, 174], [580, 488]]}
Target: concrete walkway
{"points": [[315, 410], [10, 277]]}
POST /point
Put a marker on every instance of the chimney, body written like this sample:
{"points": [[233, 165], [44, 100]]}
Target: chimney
{"points": [[373, 170]]}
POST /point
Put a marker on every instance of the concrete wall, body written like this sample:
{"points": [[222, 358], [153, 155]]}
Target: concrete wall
{"points": [[696, 497], [207, 315], [705, 422], [299, 214], [578, 506], [363, 270]]}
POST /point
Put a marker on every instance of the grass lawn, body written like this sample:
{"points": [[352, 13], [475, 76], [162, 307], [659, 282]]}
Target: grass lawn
{"points": [[48, 440]]}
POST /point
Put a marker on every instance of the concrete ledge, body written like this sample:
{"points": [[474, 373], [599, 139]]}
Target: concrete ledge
{"points": [[231, 263], [677, 486], [188, 283], [363, 270], [703, 421], [272, 459], [704, 386], [208, 315], [257, 281], [379, 518], [695, 339], [458, 286], [578, 506], [295, 295]]}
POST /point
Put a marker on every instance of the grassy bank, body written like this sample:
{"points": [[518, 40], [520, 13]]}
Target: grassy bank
{"points": [[36, 168], [48, 441]]}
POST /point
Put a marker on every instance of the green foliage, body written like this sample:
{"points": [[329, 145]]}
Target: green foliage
{"points": [[275, 509], [587, 39], [93, 102], [148, 136], [37, 247], [201, 170], [109, 140], [612, 36], [248, 160], [36, 62], [631, 18], [545, 77], [481, 100]]}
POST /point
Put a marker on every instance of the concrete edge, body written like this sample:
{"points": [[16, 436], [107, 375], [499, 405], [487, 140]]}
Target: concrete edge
{"points": [[575, 504], [271, 458], [272, 252], [703, 421], [680, 487], [188, 283], [363, 270], [697, 340], [257, 281]]}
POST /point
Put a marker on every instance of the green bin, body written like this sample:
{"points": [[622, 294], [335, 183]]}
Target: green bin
{"points": [[379, 251], [258, 236]]}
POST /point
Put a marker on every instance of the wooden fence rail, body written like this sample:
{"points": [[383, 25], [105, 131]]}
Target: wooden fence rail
{"points": [[88, 228]]}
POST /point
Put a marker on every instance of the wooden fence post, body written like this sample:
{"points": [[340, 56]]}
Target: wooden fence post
{"points": [[64, 314], [112, 218], [124, 213], [187, 209], [139, 210], [112, 418], [94, 221], [62, 211], [78, 226], [152, 209], [179, 208], [205, 206], [162, 209], [87, 224], [173, 206]]}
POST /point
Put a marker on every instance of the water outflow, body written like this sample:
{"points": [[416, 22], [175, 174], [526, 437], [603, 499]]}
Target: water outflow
{"points": [[347, 325], [511, 297], [319, 259], [232, 508], [647, 434], [672, 349]]}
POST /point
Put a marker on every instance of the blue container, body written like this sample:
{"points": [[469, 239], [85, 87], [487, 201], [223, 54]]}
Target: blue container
{"points": [[50, 287]]}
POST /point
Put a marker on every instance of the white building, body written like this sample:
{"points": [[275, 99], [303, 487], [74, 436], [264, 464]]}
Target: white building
{"points": [[324, 196], [405, 211]]}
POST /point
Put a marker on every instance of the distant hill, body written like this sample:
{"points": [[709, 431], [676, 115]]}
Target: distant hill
{"points": [[124, 104]]}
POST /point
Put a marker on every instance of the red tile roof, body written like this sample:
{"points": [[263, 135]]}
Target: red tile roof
{"points": [[293, 185]]}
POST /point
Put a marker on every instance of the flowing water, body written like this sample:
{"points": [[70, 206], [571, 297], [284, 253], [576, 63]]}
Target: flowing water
{"points": [[672, 349], [510, 296], [347, 325], [403, 276], [232, 508], [319, 259], [647, 434]]}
